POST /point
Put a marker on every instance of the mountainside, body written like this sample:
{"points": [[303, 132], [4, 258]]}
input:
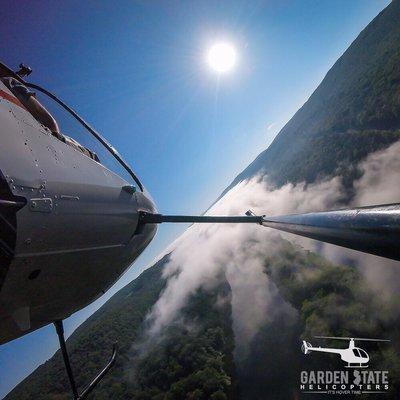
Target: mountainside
{"points": [[355, 111], [194, 357]]}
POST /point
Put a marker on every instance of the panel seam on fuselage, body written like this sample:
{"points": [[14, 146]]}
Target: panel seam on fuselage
{"points": [[44, 253]]}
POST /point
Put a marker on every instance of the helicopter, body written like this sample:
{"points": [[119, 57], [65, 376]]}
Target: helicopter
{"points": [[70, 225], [355, 357]]}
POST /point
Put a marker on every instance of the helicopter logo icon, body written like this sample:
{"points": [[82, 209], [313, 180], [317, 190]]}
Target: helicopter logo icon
{"points": [[355, 357]]}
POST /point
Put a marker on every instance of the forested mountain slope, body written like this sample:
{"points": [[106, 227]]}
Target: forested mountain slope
{"points": [[354, 111], [194, 357]]}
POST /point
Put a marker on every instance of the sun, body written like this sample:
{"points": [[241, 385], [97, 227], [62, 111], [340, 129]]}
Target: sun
{"points": [[222, 57]]}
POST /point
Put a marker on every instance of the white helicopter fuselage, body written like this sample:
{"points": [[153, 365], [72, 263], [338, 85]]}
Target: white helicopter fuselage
{"points": [[350, 355], [69, 225]]}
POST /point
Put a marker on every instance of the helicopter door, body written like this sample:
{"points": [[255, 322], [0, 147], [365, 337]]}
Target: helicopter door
{"points": [[356, 353], [73, 202]]}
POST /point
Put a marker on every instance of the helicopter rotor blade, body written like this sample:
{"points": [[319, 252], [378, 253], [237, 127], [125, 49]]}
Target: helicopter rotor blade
{"points": [[371, 229], [333, 337], [372, 340], [352, 338]]}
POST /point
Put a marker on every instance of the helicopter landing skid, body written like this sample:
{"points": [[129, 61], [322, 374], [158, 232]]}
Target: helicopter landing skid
{"points": [[60, 333], [356, 366]]}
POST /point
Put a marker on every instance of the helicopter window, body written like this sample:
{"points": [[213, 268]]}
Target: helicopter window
{"points": [[363, 353], [356, 353], [75, 133]]}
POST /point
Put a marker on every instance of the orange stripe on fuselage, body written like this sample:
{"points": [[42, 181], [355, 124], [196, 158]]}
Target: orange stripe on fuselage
{"points": [[11, 98]]}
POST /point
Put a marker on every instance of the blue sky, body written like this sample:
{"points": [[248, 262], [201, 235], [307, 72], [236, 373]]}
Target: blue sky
{"points": [[136, 71]]}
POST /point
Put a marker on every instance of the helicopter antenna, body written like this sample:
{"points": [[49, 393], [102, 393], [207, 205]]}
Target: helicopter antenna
{"points": [[352, 338]]}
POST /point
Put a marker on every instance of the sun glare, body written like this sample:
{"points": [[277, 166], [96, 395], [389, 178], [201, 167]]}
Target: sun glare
{"points": [[221, 57]]}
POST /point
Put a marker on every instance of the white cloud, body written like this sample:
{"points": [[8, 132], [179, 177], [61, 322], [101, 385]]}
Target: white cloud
{"points": [[204, 252]]}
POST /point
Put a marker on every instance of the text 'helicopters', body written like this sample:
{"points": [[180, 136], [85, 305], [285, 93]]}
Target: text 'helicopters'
{"points": [[355, 357], [74, 216]]}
